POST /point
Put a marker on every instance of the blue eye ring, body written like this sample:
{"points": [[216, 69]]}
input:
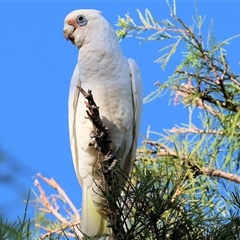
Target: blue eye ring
{"points": [[81, 20]]}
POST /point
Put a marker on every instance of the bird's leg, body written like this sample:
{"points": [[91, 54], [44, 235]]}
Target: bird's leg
{"points": [[112, 161]]}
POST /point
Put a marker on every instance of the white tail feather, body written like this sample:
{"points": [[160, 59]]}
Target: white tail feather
{"points": [[93, 222]]}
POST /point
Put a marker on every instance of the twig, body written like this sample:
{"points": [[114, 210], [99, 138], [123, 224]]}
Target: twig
{"points": [[47, 204], [197, 131], [56, 186], [159, 29], [53, 208], [59, 230], [165, 151]]}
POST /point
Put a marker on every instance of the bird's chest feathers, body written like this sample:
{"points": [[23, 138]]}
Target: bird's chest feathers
{"points": [[101, 60], [107, 74]]}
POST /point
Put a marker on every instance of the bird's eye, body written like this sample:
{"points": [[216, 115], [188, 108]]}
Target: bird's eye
{"points": [[81, 20]]}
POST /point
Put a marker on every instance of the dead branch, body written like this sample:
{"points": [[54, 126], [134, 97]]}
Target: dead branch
{"points": [[53, 208], [107, 158], [47, 204], [51, 182]]}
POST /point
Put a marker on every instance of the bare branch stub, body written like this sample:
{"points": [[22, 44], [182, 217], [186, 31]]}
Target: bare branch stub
{"points": [[104, 146]]}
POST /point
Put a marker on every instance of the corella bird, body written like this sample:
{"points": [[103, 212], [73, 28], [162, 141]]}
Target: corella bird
{"points": [[117, 89]]}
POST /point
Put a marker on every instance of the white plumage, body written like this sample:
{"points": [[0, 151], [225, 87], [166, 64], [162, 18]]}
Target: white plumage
{"points": [[117, 89]]}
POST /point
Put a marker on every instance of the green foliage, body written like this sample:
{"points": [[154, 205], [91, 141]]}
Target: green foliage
{"points": [[18, 230], [202, 161], [154, 206]]}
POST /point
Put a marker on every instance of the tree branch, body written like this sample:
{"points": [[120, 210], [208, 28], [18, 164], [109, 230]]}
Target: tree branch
{"points": [[221, 174], [107, 158], [165, 151], [199, 131]]}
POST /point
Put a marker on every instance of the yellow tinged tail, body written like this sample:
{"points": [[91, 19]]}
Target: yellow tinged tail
{"points": [[93, 222]]}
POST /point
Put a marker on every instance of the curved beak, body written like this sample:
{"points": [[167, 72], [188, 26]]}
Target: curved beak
{"points": [[68, 31]]}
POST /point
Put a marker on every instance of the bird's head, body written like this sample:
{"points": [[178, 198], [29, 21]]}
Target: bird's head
{"points": [[82, 25]]}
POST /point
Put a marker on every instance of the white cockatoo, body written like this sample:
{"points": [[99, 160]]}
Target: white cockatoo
{"points": [[117, 89]]}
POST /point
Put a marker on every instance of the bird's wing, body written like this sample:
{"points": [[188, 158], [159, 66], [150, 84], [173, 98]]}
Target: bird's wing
{"points": [[92, 221], [74, 94], [136, 81]]}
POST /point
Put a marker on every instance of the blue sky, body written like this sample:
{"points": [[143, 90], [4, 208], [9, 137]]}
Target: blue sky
{"points": [[36, 67]]}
